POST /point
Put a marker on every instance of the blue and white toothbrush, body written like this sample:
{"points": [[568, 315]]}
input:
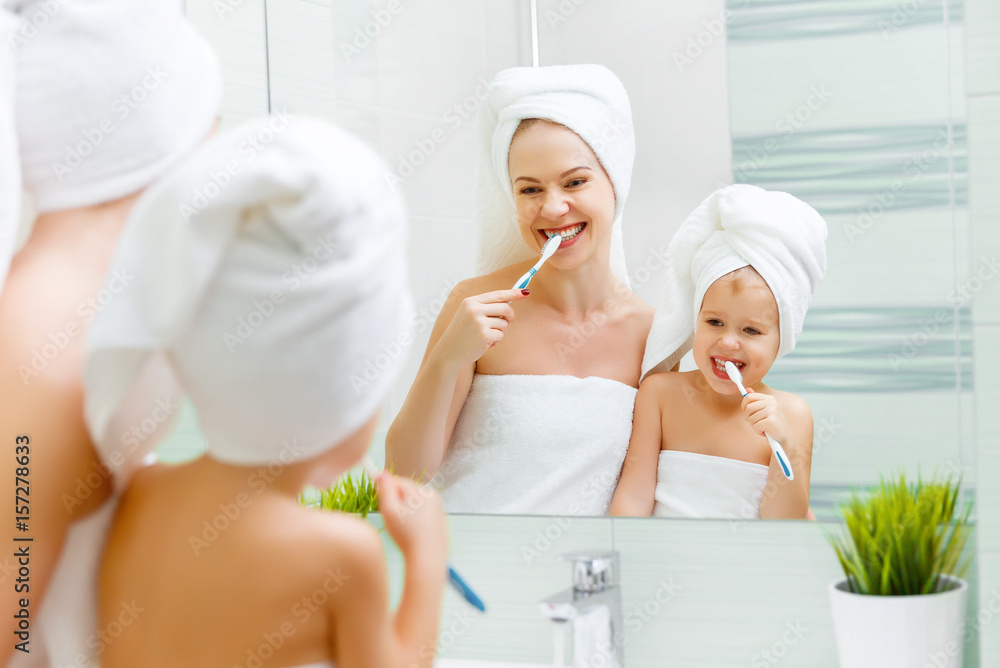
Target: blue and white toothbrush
{"points": [[548, 250], [454, 579], [779, 452]]}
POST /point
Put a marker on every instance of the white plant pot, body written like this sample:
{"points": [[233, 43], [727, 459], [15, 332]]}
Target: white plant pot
{"points": [[899, 631]]}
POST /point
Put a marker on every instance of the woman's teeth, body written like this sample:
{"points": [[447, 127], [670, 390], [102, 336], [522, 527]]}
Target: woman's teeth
{"points": [[567, 233]]}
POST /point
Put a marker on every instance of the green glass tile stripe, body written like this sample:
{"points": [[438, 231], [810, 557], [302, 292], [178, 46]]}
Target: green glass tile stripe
{"points": [[884, 349], [799, 19], [854, 170]]}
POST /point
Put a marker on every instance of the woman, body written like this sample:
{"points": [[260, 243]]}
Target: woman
{"points": [[108, 95], [523, 401], [214, 562]]}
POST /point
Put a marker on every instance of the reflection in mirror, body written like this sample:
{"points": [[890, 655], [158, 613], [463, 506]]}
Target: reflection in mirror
{"points": [[862, 121]]}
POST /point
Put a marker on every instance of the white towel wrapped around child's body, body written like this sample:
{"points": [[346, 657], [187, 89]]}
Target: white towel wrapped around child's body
{"points": [[691, 484], [537, 445]]}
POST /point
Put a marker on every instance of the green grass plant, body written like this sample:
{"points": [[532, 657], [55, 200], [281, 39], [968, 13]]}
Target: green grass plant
{"points": [[901, 538], [350, 494]]}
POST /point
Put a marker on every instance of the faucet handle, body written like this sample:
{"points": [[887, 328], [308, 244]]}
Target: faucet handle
{"points": [[593, 571]]}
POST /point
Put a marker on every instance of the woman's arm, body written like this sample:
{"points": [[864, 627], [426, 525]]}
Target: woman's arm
{"points": [[466, 328], [634, 494]]}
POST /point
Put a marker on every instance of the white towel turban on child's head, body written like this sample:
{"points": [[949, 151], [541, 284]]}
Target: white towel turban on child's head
{"points": [[780, 236], [269, 268], [587, 99], [109, 94]]}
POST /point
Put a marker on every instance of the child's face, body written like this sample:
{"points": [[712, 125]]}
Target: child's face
{"points": [[738, 322]]}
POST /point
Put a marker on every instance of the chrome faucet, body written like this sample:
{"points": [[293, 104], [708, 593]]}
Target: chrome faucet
{"points": [[593, 606]]}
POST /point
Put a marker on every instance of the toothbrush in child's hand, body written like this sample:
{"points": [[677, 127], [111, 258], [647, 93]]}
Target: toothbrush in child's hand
{"points": [[779, 452], [548, 250], [454, 579]]}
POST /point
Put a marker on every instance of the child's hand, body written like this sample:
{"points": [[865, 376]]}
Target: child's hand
{"points": [[414, 517], [764, 414]]}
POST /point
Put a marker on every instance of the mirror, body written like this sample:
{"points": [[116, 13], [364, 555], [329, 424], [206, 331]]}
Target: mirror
{"points": [[863, 120]]}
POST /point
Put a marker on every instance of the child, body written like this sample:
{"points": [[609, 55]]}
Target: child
{"points": [[269, 297], [748, 260]]}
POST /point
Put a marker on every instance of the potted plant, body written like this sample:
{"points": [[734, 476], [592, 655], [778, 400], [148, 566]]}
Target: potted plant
{"points": [[902, 602], [349, 494]]}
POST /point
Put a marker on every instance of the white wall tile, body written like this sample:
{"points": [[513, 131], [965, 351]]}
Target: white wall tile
{"points": [[982, 48], [236, 31], [984, 201]]}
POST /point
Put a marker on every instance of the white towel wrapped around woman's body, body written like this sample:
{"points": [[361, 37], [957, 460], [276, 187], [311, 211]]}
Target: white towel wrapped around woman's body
{"points": [[695, 485], [537, 444]]}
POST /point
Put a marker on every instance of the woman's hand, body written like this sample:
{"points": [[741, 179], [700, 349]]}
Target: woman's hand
{"points": [[478, 325], [764, 414]]}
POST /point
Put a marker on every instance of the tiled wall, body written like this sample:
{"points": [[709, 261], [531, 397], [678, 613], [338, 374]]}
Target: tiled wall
{"points": [[982, 84], [734, 592]]}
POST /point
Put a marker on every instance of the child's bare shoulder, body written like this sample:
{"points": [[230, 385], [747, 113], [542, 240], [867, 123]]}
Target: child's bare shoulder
{"points": [[323, 539], [795, 408]]}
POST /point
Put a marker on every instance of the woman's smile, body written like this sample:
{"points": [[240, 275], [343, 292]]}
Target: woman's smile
{"points": [[569, 233]]}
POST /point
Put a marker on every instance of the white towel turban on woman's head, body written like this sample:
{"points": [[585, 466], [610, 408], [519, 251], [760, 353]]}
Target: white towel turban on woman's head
{"points": [[780, 236], [10, 167], [587, 99], [269, 268], [109, 94]]}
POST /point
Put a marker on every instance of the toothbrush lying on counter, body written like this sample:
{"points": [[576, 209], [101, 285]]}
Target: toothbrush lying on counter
{"points": [[779, 452], [548, 250], [454, 579]]}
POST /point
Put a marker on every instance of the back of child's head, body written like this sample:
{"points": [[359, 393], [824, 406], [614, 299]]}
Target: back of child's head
{"points": [[279, 293]]}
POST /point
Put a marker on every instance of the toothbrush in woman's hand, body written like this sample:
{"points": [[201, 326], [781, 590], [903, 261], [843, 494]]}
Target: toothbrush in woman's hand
{"points": [[454, 579], [779, 452], [548, 250]]}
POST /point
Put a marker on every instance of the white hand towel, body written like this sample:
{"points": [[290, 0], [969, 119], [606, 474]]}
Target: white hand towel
{"points": [[590, 101], [780, 236]]}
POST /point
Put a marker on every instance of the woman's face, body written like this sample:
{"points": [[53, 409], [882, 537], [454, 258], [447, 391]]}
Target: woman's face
{"points": [[561, 188], [738, 322]]}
